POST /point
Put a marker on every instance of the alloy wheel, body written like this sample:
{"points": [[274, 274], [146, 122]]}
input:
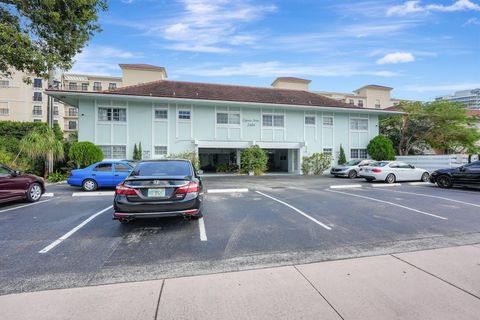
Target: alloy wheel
{"points": [[35, 192]]}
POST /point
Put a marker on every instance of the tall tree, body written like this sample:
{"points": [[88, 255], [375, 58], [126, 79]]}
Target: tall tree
{"points": [[440, 125], [37, 36]]}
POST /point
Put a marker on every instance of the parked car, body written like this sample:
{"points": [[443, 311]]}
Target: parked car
{"points": [[392, 171], [100, 174], [159, 188], [349, 169], [468, 174], [15, 185]]}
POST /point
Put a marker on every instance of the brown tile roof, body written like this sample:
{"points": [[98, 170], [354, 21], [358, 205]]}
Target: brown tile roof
{"points": [[292, 79], [375, 86], [222, 92]]}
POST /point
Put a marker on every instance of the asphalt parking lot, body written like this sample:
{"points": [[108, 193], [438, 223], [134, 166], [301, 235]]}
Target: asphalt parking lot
{"points": [[68, 239]]}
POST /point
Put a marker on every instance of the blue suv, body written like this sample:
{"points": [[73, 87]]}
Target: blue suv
{"points": [[100, 174]]}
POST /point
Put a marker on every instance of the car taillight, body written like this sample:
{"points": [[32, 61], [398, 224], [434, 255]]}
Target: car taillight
{"points": [[123, 189], [189, 188], [377, 170]]}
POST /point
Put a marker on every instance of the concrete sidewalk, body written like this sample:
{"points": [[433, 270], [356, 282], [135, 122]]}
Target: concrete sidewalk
{"points": [[434, 284]]}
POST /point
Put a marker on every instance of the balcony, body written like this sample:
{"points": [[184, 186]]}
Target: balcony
{"points": [[71, 113], [37, 113]]}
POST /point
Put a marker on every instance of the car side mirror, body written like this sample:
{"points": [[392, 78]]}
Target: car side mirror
{"points": [[462, 168], [411, 166], [15, 173]]}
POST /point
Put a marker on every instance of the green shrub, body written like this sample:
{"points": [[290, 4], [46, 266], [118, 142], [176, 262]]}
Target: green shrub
{"points": [[84, 154], [342, 159], [191, 155], [254, 159], [57, 176], [316, 164], [381, 148], [221, 168]]}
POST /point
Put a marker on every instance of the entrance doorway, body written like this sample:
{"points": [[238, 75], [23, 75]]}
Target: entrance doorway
{"points": [[218, 160], [277, 160]]}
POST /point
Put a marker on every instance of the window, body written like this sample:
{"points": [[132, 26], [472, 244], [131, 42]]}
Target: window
{"points": [[4, 83], [72, 125], [310, 120], [161, 114], [37, 120], [160, 151], [327, 121], [72, 86], [360, 103], [358, 153], [112, 86], [72, 112], [377, 104], [112, 114], [359, 124], [351, 101], [184, 114], [120, 167], [404, 165], [328, 150], [37, 110], [97, 86], [228, 118], [114, 152], [4, 111], [37, 83], [37, 96], [270, 120], [55, 110], [103, 167], [84, 86], [4, 172]]}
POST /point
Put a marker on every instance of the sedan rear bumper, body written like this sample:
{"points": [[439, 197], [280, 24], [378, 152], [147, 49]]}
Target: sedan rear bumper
{"points": [[161, 214]]}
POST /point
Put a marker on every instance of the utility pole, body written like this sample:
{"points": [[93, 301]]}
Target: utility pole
{"points": [[54, 77]]}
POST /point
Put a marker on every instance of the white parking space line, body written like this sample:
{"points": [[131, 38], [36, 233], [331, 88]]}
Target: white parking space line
{"points": [[26, 205], [297, 210], [346, 186], [203, 232], [48, 194], [69, 233], [227, 190], [93, 194], [390, 203], [432, 196], [386, 185], [418, 183]]}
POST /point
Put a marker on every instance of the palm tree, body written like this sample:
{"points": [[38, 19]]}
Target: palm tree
{"points": [[40, 144]]}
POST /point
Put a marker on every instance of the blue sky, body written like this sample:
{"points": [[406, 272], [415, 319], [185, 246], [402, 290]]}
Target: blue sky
{"points": [[421, 48]]}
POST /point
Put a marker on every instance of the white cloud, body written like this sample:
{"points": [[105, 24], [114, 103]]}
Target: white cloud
{"points": [[396, 57], [270, 69], [209, 25], [442, 87], [415, 6], [98, 60]]}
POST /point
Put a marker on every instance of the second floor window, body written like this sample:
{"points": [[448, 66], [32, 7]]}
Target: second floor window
{"points": [[327, 121], [4, 83], [37, 96], [359, 124], [55, 110], [72, 86], [271, 120], [351, 101], [360, 103], [161, 114], [377, 104], [84, 86], [112, 114], [72, 112], [97, 86], [184, 115], [310, 120], [112, 86], [72, 125], [37, 83], [228, 118]]}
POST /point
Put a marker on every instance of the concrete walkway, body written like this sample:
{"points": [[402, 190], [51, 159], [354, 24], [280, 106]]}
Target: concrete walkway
{"points": [[434, 284]]}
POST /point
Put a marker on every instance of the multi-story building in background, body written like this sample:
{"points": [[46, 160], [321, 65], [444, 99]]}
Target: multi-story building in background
{"points": [[370, 96], [20, 101], [469, 98]]}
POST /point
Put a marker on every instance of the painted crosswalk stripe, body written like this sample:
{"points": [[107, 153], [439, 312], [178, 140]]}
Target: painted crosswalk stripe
{"points": [[346, 186]]}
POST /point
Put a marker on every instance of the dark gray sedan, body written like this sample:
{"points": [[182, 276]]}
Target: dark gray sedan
{"points": [[159, 188]]}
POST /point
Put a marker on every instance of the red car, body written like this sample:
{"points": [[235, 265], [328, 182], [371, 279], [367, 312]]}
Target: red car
{"points": [[15, 185]]}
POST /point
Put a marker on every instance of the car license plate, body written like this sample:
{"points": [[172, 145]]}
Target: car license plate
{"points": [[157, 192]]}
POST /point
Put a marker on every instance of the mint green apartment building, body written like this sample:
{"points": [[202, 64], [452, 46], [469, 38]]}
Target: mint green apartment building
{"points": [[218, 121]]}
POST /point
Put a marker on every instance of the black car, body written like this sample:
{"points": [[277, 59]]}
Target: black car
{"points": [[468, 174], [159, 188]]}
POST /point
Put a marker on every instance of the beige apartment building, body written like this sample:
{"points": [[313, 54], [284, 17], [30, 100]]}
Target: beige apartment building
{"points": [[370, 96], [20, 101]]}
